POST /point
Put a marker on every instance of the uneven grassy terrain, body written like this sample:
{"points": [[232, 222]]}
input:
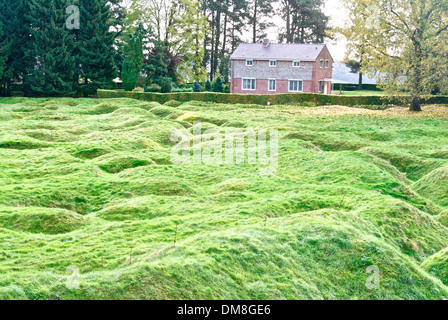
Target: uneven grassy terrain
{"points": [[89, 184]]}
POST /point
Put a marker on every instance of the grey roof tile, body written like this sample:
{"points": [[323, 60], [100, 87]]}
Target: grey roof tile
{"points": [[278, 51]]}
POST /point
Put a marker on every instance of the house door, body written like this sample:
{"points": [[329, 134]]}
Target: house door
{"points": [[325, 87]]}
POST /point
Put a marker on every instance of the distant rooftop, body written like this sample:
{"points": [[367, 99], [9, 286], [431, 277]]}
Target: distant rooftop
{"points": [[278, 51]]}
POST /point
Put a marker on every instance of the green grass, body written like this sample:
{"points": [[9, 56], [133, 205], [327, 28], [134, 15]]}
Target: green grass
{"points": [[90, 184], [361, 93]]}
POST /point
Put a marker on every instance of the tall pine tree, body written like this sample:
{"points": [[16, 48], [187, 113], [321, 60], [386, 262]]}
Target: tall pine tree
{"points": [[95, 46], [15, 31], [51, 49], [133, 61]]}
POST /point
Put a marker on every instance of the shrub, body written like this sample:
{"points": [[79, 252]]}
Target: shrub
{"points": [[153, 88], [208, 86], [260, 99], [166, 85], [197, 87], [218, 86]]}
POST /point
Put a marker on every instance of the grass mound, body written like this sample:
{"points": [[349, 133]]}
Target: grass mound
{"points": [[412, 165], [163, 111], [103, 108], [118, 164], [90, 153], [173, 103], [21, 143], [437, 265], [435, 186], [41, 220], [231, 185]]}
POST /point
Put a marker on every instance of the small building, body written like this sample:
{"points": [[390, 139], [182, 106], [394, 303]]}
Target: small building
{"points": [[268, 68]]}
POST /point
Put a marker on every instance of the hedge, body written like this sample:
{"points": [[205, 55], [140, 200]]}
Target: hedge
{"points": [[354, 87], [260, 99]]}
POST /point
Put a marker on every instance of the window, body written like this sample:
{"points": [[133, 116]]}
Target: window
{"points": [[272, 63], [296, 64], [327, 64], [321, 63], [249, 84], [249, 63], [272, 85], [321, 86], [295, 85]]}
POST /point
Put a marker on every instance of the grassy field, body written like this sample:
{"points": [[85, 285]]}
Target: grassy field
{"points": [[89, 185]]}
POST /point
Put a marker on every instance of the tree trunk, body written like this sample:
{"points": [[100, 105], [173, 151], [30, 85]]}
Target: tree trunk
{"points": [[415, 105], [254, 26], [360, 81]]}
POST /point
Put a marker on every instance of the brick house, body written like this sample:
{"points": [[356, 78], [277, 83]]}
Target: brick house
{"points": [[267, 68]]}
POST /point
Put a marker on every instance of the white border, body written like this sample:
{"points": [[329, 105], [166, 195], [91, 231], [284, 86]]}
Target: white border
{"points": [[289, 84], [275, 85], [242, 84]]}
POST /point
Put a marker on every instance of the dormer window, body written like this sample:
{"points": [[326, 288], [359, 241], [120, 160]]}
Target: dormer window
{"points": [[272, 63], [249, 63], [296, 64]]}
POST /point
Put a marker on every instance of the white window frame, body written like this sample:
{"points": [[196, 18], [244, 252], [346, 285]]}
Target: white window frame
{"points": [[294, 64], [242, 84], [273, 65], [251, 63], [327, 64], [298, 81], [322, 63], [269, 85]]}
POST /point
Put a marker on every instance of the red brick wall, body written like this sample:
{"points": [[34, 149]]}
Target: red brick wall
{"points": [[262, 87], [323, 73]]}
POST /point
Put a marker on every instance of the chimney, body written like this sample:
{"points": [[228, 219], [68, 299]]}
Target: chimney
{"points": [[266, 43]]}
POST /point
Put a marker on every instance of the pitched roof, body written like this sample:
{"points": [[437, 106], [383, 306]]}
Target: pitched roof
{"points": [[278, 51]]}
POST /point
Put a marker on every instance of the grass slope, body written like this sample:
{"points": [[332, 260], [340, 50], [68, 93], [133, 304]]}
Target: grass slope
{"points": [[89, 184]]}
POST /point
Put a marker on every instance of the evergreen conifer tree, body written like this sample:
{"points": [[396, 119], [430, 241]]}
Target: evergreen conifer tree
{"points": [[218, 86], [95, 46], [51, 49], [15, 36], [196, 87], [208, 86], [133, 61]]}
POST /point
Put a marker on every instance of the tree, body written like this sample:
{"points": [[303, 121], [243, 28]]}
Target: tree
{"points": [[160, 63], [196, 87], [355, 67], [95, 45], [217, 85], [15, 28], [208, 86], [259, 11], [133, 61], [51, 47], [4, 51], [305, 21], [406, 44]]}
